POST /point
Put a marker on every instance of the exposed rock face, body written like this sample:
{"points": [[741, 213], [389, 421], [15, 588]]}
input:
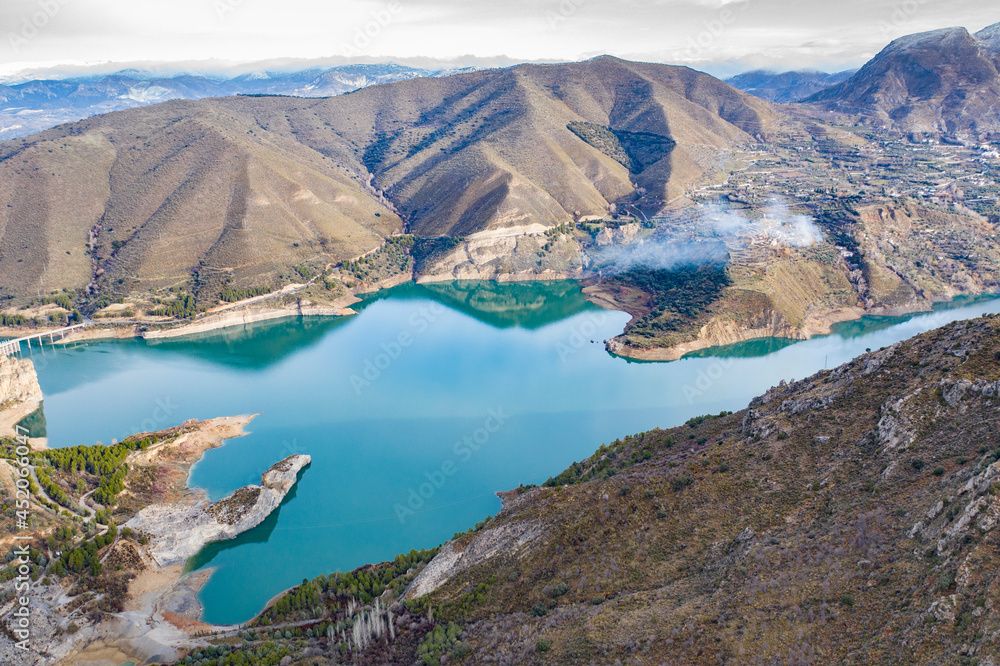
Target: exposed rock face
{"points": [[20, 393], [989, 38], [457, 556], [621, 236], [716, 333], [244, 316], [178, 532], [507, 259]]}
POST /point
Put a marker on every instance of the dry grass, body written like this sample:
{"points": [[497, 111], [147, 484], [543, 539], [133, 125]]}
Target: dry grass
{"points": [[791, 541]]}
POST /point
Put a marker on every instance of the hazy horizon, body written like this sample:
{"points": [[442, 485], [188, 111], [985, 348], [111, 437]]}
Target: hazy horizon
{"points": [[722, 37]]}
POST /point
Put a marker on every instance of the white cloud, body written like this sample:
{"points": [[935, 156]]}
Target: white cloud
{"points": [[778, 33]]}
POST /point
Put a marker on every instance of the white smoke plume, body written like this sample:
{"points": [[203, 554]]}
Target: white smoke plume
{"points": [[716, 229], [777, 224], [666, 254]]}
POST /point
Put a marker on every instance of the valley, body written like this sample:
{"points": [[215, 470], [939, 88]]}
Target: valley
{"points": [[440, 298], [497, 175]]}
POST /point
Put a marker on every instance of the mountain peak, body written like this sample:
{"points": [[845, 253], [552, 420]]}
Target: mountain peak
{"points": [[989, 37], [931, 38], [938, 82]]}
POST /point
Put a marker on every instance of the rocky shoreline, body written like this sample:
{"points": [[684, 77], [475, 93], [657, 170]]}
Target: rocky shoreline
{"points": [[161, 611], [244, 316], [178, 532], [479, 259], [720, 334], [20, 392]]}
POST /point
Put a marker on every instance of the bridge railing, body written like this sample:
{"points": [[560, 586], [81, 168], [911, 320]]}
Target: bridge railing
{"points": [[10, 347]]}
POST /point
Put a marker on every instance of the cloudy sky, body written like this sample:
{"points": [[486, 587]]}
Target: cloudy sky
{"points": [[720, 36]]}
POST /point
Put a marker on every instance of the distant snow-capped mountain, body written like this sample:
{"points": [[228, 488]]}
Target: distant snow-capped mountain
{"points": [[34, 105]]}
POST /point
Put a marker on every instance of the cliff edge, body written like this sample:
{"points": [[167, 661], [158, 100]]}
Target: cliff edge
{"points": [[20, 393]]}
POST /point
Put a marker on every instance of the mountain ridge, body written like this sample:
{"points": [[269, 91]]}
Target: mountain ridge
{"points": [[783, 87], [257, 186], [68, 99]]}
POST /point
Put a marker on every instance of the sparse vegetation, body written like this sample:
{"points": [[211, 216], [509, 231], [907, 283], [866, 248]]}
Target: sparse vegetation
{"points": [[232, 295], [391, 259]]}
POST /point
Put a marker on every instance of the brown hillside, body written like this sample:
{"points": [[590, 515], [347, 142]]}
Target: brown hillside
{"points": [[493, 149], [165, 189], [253, 187]]}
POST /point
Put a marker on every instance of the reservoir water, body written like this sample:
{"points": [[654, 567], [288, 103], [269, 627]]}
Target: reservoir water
{"points": [[415, 412]]}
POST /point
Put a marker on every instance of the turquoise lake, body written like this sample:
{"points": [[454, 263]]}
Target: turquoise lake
{"points": [[496, 384]]}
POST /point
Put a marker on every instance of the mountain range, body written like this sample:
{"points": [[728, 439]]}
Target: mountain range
{"points": [[498, 173], [38, 104], [786, 86], [259, 185]]}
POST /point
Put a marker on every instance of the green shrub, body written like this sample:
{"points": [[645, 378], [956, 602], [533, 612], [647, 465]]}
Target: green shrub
{"points": [[439, 640], [460, 649], [682, 482], [559, 590]]}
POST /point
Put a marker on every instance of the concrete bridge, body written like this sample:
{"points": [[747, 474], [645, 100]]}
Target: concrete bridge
{"points": [[10, 347]]}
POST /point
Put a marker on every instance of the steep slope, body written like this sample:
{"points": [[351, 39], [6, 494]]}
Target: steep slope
{"points": [[20, 390], [493, 150], [786, 86], [939, 82], [252, 187], [850, 517], [139, 199]]}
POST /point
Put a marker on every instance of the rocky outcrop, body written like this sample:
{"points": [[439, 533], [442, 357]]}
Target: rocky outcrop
{"points": [[458, 556], [623, 235], [511, 258], [716, 333], [721, 332], [179, 531], [20, 393]]}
